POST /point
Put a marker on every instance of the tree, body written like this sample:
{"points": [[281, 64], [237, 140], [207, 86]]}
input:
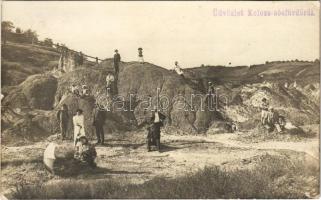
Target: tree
{"points": [[48, 42], [6, 28], [18, 30], [30, 36]]}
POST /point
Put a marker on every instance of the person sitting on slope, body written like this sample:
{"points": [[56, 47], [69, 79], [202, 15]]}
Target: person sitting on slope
{"points": [[178, 70]]}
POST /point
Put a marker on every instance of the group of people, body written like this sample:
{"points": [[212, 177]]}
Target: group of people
{"points": [[84, 150], [82, 91], [117, 58], [270, 118]]}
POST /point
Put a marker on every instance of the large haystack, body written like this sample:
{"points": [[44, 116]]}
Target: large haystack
{"points": [[36, 92]]}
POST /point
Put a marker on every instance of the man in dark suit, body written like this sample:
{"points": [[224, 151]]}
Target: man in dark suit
{"points": [[154, 130], [63, 119], [99, 117], [117, 59]]}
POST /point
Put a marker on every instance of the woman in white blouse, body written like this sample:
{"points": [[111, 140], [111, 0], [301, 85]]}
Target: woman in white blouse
{"points": [[79, 125]]}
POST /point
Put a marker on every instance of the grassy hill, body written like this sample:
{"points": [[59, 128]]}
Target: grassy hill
{"points": [[18, 61], [278, 71]]}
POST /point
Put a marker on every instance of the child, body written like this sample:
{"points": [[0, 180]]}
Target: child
{"points": [[85, 152]]}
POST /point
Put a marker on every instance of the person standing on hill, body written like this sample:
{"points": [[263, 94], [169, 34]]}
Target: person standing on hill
{"points": [[264, 111], [79, 125], [211, 89], [211, 94], [140, 55], [76, 59], [117, 59], [99, 117], [63, 118], [81, 58]]}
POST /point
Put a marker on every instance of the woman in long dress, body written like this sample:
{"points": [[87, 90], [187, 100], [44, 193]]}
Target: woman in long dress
{"points": [[79, 125]]}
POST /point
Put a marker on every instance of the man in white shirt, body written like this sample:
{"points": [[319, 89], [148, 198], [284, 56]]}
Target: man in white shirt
{"points": [[109, 81]]}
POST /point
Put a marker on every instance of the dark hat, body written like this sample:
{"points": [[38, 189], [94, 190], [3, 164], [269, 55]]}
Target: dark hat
{"points": [[116, 50], [264, 99], [140, 48]]}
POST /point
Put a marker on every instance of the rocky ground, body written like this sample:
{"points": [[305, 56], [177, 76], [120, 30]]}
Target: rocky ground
{"points": [[124, 158]]}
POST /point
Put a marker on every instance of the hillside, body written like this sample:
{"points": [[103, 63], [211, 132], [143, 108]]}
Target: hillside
{"points": [[240, 92], [18, 61], [277, 71], [199, 156]]}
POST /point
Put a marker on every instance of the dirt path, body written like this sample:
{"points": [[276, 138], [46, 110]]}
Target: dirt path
{"points": [[309, 146], [125, 157]]}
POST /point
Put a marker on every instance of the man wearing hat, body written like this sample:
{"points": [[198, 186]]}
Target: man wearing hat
{"points": [[140, 55], [116, 62]]}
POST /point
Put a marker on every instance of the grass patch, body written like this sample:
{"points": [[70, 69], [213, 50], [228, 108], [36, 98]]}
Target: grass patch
{"points": [[273, 177]]}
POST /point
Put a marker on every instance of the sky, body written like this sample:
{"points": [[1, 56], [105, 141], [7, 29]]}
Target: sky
{"points": [[191, 33]]}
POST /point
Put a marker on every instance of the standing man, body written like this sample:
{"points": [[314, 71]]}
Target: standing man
{"points": [[264, 111], [76, 59], [99, 117], [211, 94], [157, 120], [81, 58], [140, 55], [63, 118], [117, 59]]}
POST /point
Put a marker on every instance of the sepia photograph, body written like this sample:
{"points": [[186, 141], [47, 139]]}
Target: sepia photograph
{"points": [[160, 100]]}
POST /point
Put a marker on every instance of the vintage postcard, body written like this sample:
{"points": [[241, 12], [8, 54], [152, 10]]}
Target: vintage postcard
{"points": [[160, 99]]}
